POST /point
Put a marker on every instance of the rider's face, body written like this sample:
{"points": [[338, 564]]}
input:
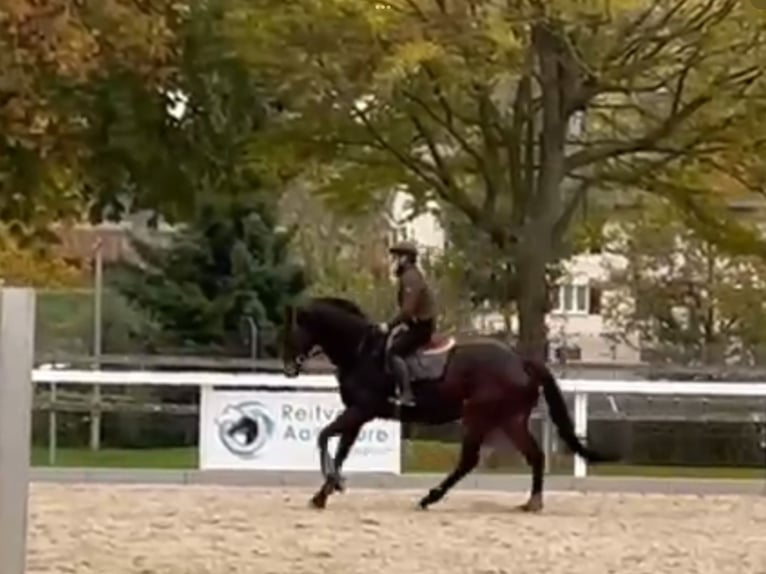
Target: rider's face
{"points": [[397, 262]]}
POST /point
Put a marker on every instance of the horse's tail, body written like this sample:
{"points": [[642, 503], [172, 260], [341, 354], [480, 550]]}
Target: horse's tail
{"points": [[559, 413]]}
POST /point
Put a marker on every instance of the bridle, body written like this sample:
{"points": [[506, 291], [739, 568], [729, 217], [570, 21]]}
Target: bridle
{"points": [[299, 359]]}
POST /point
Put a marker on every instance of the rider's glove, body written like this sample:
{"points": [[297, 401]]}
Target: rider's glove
{"points": [[383, 328]]}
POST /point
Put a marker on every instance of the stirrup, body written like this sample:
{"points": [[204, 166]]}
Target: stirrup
{"points": [[398, 398], [409, 402], [400, 402]]}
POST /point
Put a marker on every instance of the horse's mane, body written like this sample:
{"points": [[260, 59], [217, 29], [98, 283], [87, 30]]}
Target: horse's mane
{"points": [[343, 304]]}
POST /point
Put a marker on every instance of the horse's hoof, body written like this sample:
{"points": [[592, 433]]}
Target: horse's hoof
{"points": [[532, 505], [434, 495], [528, 509], [318, 501], [422, 505], [339, 483]]}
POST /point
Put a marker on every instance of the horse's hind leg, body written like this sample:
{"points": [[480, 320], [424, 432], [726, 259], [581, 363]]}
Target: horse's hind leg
{"points": [[518, 431], [469, 458]]}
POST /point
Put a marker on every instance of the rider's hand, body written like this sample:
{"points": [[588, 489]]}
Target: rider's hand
{"points": [[383, 328]]}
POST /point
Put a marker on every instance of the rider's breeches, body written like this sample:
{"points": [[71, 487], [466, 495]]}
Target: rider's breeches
{"points": [[408, 341]]}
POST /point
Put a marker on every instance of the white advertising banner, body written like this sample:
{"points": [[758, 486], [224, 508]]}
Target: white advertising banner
{"points": [[278, 431]]}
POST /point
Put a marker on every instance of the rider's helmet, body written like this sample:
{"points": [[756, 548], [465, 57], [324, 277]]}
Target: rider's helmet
{"points": [[404, 248]]}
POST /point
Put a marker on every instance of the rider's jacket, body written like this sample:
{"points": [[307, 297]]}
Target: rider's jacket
{"points": [[416, 299]]}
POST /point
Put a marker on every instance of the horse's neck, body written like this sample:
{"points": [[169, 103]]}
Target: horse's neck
{"points": [[344, 361], [343, 349]]}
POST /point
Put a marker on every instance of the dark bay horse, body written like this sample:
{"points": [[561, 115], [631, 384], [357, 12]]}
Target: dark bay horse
{"points": [[481, 382]]}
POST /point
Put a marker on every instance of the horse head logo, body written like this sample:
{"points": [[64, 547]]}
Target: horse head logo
{"points": [[245, 428]]}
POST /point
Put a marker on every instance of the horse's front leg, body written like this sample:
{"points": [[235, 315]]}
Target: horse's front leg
{"points": [[347, 424]]}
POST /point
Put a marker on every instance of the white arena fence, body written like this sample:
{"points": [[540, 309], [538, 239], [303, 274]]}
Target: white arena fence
{"points": [[286, 414]]}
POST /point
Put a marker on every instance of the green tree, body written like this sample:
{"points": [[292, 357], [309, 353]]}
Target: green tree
{"points": [[478, 105], [169, 150], [180, 149], [65, 324], [35, 265], [231, 262], [680, 296]]}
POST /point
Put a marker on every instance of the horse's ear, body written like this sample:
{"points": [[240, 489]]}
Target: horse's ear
{"points": [[293, 315]]}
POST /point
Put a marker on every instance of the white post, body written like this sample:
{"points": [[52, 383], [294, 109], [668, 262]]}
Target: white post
{"points": [[205, 392], [581, 430], [52, 426], [547, 441], [17, 327], [98, 295]]}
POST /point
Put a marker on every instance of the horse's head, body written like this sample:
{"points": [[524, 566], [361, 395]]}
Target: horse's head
{"points": [[335, 326], [297, 342]]}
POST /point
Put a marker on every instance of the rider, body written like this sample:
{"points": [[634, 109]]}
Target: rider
{"points": [[414, 325]]}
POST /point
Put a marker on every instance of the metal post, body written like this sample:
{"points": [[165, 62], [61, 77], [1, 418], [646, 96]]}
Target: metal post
{"points": [[17, 326], [253, 339], [52, 427], [95, 413], [547, 436], [253, 327]]}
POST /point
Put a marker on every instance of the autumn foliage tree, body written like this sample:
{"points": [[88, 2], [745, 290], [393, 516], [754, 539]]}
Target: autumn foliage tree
{"points": [[511, 112], [33, 265], [50, 52]]}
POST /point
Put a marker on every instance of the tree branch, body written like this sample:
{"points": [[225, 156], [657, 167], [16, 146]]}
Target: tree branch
{"points": [[442, 170], [570, 209], [672, 122], [447, 124], [419, 168], [491, 162], [452, 193]]}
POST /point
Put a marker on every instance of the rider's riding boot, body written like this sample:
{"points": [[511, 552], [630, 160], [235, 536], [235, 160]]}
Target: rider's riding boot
{"points": [[406, 396]]}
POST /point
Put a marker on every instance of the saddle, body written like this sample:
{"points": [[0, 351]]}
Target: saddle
{"points": [[430, 360]]}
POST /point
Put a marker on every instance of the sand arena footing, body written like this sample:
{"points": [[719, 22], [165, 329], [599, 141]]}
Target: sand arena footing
{"points": [[171, 529]]}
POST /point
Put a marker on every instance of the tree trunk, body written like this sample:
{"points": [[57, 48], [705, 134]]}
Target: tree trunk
{"points": [[532, 305], [558, 77], [536, 249]]}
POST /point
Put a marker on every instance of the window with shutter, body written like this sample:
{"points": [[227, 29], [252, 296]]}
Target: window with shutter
{"points": [[594, 305]]}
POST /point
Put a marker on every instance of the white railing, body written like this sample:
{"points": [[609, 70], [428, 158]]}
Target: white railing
{"points": [[266, 383]]}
